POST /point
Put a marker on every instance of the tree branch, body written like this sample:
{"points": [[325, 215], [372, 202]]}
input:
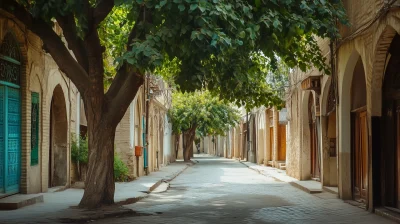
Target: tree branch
{"points": [[67, 24], [122, 91], [103, 8], [52, 42]]}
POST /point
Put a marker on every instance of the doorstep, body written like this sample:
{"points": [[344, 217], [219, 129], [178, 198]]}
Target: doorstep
{"points": [[333, 190], [19, 200], [309, 186], [388, 213]]}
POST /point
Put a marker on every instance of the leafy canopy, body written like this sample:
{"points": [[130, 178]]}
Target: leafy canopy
{"points": [[200, 111], [222, 45]]}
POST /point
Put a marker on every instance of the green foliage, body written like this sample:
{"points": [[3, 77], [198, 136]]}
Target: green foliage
{"points": [[200, 110], [79, 152], [121, 171], [225, 46]]}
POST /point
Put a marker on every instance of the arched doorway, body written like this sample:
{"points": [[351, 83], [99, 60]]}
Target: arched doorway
{"points": [[58, 155], [330, 175], [359, 134], [10, 115], [314, 152], [390, 162]]}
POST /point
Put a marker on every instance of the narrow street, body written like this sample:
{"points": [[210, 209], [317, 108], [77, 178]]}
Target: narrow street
{"points": [[218, 190]]}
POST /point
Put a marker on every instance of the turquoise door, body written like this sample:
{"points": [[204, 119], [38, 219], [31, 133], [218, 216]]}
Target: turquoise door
{"points": [[10, 116], [10, 139]]}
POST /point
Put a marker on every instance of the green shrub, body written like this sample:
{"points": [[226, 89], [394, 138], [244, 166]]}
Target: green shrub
{"points": [[79, 153], [120, 170]]}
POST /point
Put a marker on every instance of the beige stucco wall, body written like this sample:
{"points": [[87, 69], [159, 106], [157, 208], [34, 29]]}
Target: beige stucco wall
{"points": [[129, 131]]}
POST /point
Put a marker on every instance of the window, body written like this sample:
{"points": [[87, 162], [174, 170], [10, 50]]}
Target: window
{"points": [[35, 129]]}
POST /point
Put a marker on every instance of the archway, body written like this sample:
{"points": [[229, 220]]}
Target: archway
{"points": [[58, 155], [390, 129], [328, 134], [10, 115], [359, 134]]}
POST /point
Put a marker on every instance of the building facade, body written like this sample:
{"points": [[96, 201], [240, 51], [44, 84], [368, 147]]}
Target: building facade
{"points": [[131, 131], [344, 128], [39, 109]]}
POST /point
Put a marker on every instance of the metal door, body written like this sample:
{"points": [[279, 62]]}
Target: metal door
{"points": [[2, 145], [10, 139]]}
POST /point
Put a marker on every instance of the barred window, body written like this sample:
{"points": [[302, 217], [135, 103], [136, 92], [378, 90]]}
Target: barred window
{"points": [[35, 129]]}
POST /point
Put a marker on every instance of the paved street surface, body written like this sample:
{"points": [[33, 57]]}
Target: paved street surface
{"points": [[217, 190]]}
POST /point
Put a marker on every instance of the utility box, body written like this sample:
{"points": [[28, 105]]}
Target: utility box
{"points": [[138, 151]]}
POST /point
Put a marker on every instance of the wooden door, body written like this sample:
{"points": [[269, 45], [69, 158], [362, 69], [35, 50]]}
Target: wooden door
{"points": [[361, 157], [282, 143], [315, 169], [397, 159], [389, 147], [271, 143]]}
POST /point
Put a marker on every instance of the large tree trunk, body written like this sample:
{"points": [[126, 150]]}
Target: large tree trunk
{"points": [[99, 184], [189, 136], [177, 138], [103, 115]]}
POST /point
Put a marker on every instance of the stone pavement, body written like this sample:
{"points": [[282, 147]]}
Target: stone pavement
{"points": [[57, 205], [218, 190]]}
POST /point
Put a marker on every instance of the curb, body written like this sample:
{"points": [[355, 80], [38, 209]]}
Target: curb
{"points": [[152, 188], [179, 173]]}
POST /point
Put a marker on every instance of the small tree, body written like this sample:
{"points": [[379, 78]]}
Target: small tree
{"points": [[79, 153], [201, 113]]}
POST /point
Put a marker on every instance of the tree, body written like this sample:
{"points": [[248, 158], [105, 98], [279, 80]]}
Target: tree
{"points": [[201, 113], [217, 44]]}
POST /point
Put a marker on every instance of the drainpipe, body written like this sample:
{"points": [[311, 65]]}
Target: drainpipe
{"points": [[247, 135], [147, 95]]}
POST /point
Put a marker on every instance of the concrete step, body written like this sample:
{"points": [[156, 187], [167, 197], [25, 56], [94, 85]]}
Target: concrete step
{"points": [[309, 186], [333, 190], [19, 200], [390, 213]]}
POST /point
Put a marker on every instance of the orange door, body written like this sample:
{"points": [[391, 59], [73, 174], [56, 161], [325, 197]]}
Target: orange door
{"points": [[271, 143], [282, 143], [361, 157], [315, 169]]}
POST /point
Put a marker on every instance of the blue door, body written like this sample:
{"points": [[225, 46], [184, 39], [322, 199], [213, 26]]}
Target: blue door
{"points": [[10, 116]]}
